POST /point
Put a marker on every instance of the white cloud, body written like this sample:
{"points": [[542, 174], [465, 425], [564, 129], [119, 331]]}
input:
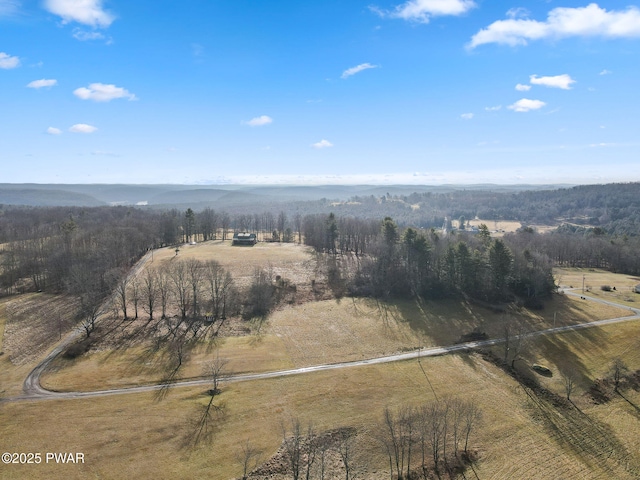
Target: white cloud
{"points": [[518, 12], [589, 21], [423, 10], [526, 105], [54, 131], [322, 144], [42, 83], [85, 36], [7, 61], [466, 116], [359, 68], [493, 109], [260, 121], [605, 72], [523, 88], [87, 12], [99, 92], [559, 81], [82, 128]]}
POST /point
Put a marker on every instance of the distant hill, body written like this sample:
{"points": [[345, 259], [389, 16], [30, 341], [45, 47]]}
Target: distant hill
{"points": [[221, 195], [39, 197]]}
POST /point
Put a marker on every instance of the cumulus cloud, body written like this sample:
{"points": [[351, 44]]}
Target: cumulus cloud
{"points": [[423, 10], [357, 69], [54, 131], [87, 12], [523, 88], [82, 128], [322, 144], [605, 72], [495, 108], [526, 105], [589, 21], [559, 81], [466, 116], [42, 83], [99, 92], [7, 61], [260, 121]]}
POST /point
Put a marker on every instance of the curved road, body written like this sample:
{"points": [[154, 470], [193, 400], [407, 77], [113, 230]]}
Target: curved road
{"points": [[34, 391]]}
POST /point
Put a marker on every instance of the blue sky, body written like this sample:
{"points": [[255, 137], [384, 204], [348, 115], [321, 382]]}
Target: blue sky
{"points": [[239, 91]]}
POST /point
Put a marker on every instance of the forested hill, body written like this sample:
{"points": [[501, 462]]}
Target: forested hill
{"points": [[612, 208], [615, 208]]}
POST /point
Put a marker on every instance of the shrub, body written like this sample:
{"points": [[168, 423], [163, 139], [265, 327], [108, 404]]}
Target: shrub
{"points": [[77, 349], [605, 288]]}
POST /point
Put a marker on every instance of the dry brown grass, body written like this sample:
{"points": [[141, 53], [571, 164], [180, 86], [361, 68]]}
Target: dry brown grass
{"points": [[29, 326], [595, 278], [125, 435], [317, 333], [523, 437], [295, 262]]}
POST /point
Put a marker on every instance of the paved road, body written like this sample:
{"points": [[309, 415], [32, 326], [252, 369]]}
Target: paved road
{"points": [[34, 391]]}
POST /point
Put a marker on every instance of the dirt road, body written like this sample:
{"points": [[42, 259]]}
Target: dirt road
{"points": [[34, 391]]}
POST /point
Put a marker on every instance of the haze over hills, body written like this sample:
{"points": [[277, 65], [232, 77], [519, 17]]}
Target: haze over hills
{"points": [[170, 195]]}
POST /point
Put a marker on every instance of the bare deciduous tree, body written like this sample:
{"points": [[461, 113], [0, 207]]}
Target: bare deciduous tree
{"points": [[195, 274], [249, 458], [569, 377], [292, 444], [616, 372], [135, 295], [180, 287], [150, 292], [164, 290], [215, 370]]}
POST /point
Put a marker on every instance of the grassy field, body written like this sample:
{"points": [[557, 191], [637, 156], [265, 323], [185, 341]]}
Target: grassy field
{"points": [[520, 437], [594, 279], [30, 325], [524, 435], [315, 333], [292, 261]]}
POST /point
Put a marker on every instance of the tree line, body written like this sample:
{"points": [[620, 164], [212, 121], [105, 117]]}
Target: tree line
{"points": [[391, 262]]}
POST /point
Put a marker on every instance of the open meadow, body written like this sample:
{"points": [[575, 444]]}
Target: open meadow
{"points": [[526, 431]]}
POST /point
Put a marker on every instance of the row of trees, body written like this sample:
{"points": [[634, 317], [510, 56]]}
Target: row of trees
{"points": [[432, 437], [188, 288], [418, 441]]}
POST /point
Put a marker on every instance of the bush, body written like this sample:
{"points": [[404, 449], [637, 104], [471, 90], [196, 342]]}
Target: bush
{"points": [[77, 349], [606, 288]]}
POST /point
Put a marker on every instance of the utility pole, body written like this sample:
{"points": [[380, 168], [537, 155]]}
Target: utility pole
{"points": [[583, 284]]}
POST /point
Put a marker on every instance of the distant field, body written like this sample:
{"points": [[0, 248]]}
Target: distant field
{"points": [[290, 260], [594, 279]]}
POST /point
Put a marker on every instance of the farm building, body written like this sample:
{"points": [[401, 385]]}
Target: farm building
{"points": [[244, 238]]}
